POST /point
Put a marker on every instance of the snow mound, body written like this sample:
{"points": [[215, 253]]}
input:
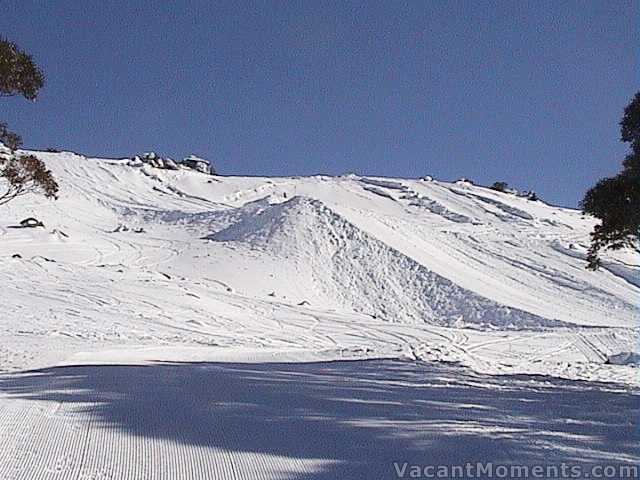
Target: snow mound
{"points": [[364, 273]]}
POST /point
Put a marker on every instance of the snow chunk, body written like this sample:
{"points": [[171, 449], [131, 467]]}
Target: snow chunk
{"points": [[624, 358]]}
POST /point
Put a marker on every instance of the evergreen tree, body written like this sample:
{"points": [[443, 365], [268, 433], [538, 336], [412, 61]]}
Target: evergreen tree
{"points": [[19, 75], [20, 174], [500, 186], [615, 201]]}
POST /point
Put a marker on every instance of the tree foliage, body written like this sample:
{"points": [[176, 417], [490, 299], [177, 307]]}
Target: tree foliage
{"points": [[24, 174], [19, 75], [500, 186], [615, 201], [11, 140], [20, 174], [630, 124]]}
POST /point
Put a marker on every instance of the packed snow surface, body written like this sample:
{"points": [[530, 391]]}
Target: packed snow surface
{"points": [[340, 420], [137, 258], [222, 287]]}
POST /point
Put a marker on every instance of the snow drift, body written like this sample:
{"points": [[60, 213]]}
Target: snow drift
{"points": [[175, 264], [364, 273]]}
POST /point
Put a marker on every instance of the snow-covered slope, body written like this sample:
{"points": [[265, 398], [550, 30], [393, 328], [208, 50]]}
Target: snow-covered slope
{"points": [[340, 262], [159, 264]]}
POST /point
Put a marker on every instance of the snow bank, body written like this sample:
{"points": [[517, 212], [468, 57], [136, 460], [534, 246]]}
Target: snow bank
{"points": [[366, 274], [307, 268]]}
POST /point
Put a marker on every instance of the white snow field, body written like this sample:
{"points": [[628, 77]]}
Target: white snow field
{"points": [[177, 325]]}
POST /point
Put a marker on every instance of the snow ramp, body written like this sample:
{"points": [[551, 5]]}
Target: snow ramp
{"points": [[348, 266]]}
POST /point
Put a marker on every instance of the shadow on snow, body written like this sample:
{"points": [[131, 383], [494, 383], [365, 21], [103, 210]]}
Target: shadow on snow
{"points": [[364, 415]]}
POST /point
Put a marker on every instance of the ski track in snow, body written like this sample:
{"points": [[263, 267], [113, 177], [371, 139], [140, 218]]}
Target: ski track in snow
{"points": [[283, 421], [337, 254], [452, 281]]}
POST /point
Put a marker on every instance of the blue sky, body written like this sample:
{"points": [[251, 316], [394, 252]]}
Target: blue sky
{"points": [[526, 92]]}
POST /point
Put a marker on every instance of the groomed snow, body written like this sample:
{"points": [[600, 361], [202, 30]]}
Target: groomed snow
{"points": [[133, 258], [172, 324], [340, 420]]}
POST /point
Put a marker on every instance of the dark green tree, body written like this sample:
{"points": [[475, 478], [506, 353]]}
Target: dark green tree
{"points": [[20, 174], [615, 201], [19, 75]]}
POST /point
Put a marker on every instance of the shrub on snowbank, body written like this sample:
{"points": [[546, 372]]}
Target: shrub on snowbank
{"points": [[154, 160]]}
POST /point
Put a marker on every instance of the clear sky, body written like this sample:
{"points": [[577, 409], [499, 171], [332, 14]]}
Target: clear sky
{"points": [[529, 92]]}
